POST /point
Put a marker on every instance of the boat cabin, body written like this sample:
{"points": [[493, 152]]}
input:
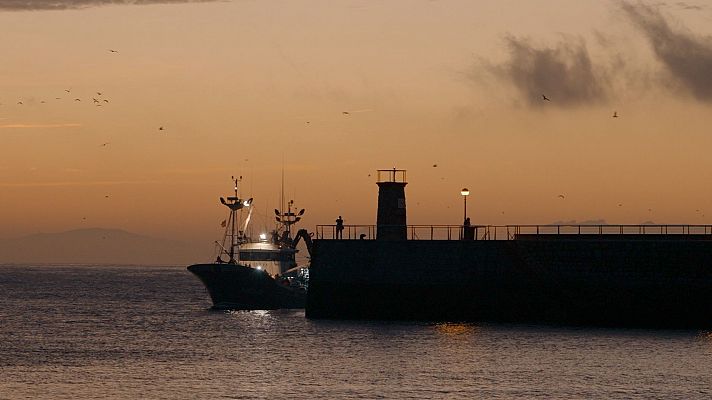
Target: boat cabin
{"points": [[267, 256]]}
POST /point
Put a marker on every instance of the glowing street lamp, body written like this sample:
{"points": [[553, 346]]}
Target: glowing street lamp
{"points": [[465, 192]]}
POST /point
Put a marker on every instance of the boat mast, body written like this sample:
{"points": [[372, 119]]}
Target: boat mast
{"points": [[234, 203], [233, 217], [287, 219]]}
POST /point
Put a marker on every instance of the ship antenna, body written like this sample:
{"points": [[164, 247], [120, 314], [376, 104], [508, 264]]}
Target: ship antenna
{"points": [[281, 192]]}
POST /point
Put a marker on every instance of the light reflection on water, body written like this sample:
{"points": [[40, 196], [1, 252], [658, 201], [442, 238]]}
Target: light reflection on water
{"points": [[455, 329], [130, 332]]}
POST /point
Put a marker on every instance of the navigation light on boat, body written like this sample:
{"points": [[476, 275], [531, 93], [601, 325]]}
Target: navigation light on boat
{"points": [[263, 236], [259, 268]]}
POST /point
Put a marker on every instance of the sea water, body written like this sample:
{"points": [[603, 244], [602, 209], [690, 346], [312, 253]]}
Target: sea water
{"points": [[129, 332]]}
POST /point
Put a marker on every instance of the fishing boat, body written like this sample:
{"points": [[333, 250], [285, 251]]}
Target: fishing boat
{"points": [[256, 273]]}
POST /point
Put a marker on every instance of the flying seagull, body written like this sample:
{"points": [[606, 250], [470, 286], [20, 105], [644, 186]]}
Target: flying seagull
{"points": [[77, 99], [95, 100], [67, 90], [19, 102], [99, 93], [345, 112], [561, 196], [104, 144], [435, 165], [543, 96], [113, 51], [160, 128]]}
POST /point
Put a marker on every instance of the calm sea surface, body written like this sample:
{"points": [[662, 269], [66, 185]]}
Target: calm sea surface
{"points": [[126, 332]]}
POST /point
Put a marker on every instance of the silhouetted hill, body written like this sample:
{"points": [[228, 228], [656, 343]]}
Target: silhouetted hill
{"points": [[97, 246]]}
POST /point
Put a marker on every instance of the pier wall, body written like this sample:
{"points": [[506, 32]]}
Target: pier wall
{"points": [[660, 283]]}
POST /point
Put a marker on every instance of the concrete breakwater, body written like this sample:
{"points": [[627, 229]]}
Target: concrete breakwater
{"points": [[662, 281], [606, 275]]}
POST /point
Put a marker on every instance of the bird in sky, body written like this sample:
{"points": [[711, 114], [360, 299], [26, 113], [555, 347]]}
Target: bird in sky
{"points": [[105, 144], [620, 204], [106, 196], [615, 114], [160, 128], [561, 196], [67, 90], [95, 100], [99, 93], [58, 98], [19, 102], [345, 112], [435, 165], [113, 51], [77, 99], [543, 96], [106, 101]]}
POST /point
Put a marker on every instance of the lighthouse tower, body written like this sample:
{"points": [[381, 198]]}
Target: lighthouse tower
{"points": [[391, 218]]}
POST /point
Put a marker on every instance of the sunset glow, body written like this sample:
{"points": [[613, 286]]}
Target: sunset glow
{"points": [[136, 116]]}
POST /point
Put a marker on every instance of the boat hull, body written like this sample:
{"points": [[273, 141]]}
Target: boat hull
{"points": [[237, 287]]}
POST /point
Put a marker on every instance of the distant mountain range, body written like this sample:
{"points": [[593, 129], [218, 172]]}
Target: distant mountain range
{"points": [[98, 246]]}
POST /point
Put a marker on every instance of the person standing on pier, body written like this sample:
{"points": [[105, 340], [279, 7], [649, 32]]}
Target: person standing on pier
{"points": [[468, 231], [339, 228]]}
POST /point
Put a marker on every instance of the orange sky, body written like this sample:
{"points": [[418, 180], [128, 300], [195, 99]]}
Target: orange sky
{"points": [[245, 87]]}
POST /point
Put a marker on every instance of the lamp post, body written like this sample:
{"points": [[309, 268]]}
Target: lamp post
{"points": [[465, 192]]}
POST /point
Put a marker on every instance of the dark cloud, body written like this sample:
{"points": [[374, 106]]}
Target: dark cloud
{"points": [[686, 6], [37, 5], [564, 73], [686, 56]]}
